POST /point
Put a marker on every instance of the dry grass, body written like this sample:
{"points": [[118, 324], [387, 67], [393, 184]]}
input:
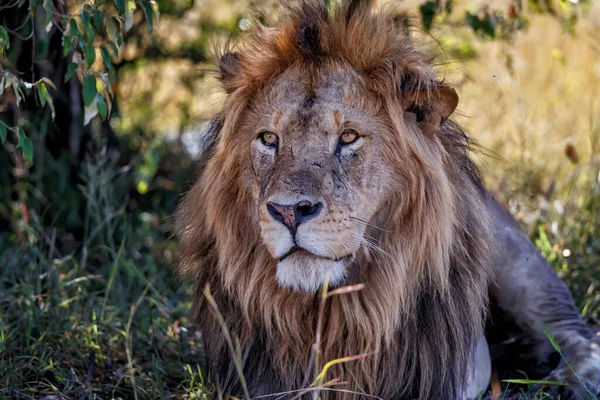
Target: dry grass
{"points": [[535, 103]]}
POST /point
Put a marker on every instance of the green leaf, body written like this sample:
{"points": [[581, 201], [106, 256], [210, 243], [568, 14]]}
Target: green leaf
{"points": [[149, 14], [86, 21], [4, 38], [42, 93], [488, 27], [74, 29], [70, 71], [49, 7], [120, 4], [3, 133], [107, 61], [67, 43], [428, 11], [97, 18], [118, 33], [473, 21], [89, 54], [102, 106], [89, 90], [26, 145]]}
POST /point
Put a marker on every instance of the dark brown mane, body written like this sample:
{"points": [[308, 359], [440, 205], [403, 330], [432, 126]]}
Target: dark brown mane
{"points": [[422, 308]]}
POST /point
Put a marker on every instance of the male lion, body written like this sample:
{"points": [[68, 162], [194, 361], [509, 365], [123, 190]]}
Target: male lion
{"points": [[333, 158]]}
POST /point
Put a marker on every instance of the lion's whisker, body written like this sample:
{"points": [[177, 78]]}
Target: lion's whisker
{"points": [[371, 244], [361, 222]]}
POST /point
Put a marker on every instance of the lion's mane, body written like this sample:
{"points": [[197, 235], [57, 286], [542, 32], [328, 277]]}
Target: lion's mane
{"points": [[422, 308]]}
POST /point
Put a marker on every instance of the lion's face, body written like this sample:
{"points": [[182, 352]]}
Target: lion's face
{"points": [[318, 172]]}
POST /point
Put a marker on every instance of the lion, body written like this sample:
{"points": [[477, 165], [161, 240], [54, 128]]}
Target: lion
{"points": [[333, 163]]}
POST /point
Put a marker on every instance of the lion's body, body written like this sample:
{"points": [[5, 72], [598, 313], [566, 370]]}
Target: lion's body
{"points": [[424, 242], [420, 347]]}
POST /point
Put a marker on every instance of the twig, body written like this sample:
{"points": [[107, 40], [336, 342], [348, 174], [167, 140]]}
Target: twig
{"points": [[33, 27], [11, 5], [313, 361], [10, 128], [219, 317]]}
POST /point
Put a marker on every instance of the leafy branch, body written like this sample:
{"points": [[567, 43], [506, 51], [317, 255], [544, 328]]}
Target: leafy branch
{"points": [[91, 31]]}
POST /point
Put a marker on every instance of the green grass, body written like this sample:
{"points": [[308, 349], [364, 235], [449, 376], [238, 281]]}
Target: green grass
{"points": [[99, 317]]}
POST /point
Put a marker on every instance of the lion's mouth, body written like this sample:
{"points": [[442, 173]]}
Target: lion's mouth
{"points": [[298, 249]]}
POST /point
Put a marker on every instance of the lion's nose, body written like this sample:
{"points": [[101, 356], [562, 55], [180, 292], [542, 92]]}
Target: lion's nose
{"points": [[295, 214]]}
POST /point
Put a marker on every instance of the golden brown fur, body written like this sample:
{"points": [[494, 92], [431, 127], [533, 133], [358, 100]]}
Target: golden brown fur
{"points": [[422, 308]]}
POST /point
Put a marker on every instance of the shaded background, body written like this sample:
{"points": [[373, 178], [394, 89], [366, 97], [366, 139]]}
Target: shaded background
{"points": [[89, 305]]}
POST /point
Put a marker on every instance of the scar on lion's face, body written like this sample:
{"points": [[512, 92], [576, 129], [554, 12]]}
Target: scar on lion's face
{"points": [[317, 159]]}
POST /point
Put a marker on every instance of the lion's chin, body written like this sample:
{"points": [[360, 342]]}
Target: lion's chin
{"points": [[305, 272]]}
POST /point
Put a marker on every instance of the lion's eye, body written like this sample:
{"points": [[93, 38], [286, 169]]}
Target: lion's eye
{"points": [[268, 138], [349, 136]]}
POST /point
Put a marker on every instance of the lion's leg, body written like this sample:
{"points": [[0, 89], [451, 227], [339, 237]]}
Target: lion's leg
{"points": [[530, 293], [479, 371]]}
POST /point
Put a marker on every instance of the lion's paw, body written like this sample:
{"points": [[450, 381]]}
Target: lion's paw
{"points": [[580, 366]]}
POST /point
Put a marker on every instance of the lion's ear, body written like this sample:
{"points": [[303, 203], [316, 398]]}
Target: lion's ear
{"points": [[432, 106], [228, 67]]}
